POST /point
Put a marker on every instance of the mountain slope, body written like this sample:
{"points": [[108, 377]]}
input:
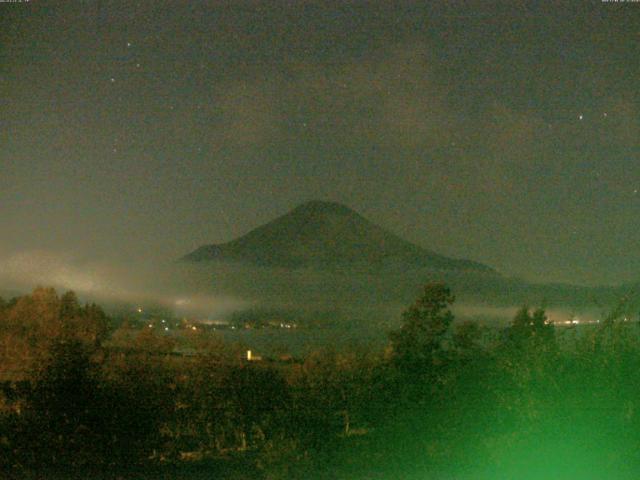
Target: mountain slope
{"points": [[327, 235]]}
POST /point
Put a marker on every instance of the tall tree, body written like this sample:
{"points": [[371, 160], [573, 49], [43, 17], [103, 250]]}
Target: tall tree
{"points": [[420, 344]]}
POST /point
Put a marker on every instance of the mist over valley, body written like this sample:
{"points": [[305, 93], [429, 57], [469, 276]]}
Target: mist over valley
{"points": [[321, 266]]}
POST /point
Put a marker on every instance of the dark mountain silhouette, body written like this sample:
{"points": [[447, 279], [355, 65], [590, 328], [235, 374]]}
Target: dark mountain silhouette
{"points": [[327, 235]]}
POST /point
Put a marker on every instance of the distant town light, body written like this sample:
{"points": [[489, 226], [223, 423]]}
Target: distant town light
{"points": [[139, 309]]}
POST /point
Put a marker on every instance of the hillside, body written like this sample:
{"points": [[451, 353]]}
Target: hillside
{"points": [[327, 235]]}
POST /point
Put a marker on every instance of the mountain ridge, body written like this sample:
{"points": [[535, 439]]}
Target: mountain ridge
{"points": [[329, 235]]}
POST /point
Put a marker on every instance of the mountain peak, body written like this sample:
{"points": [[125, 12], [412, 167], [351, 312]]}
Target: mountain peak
{"points": [[327, 234], [323, 206]]}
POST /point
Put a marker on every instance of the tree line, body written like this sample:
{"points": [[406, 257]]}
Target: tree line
{"points": [[444, 399]]}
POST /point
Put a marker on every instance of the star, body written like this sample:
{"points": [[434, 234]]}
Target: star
{"points": [[580, 117], [129, 44], [113, 80]]}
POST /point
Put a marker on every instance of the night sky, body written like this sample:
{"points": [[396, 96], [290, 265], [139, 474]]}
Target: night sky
{"points": [[505, 132]]}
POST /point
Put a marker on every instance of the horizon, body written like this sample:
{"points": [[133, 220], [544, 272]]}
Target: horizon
{"points": [[24, 270]]}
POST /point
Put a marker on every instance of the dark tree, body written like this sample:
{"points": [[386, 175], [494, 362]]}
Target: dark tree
{"points": [[420, 344], [466, 338], [531, 327], [69, 305]]}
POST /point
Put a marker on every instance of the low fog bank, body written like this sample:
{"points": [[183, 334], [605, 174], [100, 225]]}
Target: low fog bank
{"points": [[215, 291], [112, 283], [389, 286], [500, 316]]}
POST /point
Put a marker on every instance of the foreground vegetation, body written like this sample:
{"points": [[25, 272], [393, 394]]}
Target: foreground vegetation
{"points": [[443, 400]]}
